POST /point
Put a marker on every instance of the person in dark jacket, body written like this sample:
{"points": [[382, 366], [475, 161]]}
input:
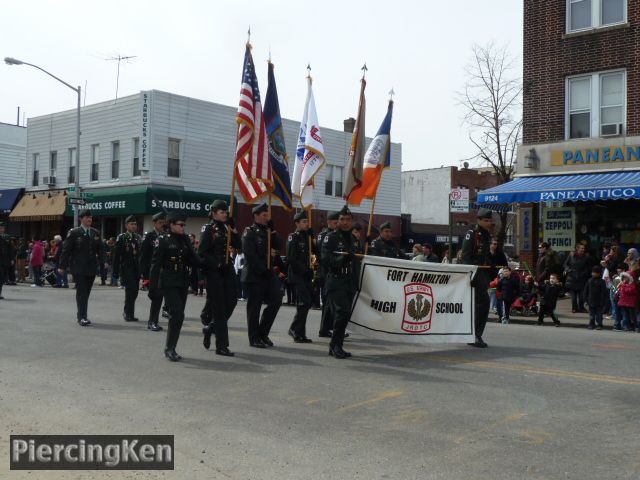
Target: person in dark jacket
{"points": [[262, 284], [549, 293], [172, 256], [595, 294], [126, 258], [82, 253], [548, 263], [576, 269], [383, 246], [6, 262], [146, 251], [496, 257], [300, 274], [509, 288]]}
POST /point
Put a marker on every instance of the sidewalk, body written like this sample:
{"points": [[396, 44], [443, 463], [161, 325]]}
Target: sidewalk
{"points": [[563, 310]]}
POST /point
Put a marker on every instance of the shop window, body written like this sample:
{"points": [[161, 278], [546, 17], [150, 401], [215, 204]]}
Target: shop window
{"points": [[136, 157], [115, 160], [589, 14], [173, 165], [596, 105]]}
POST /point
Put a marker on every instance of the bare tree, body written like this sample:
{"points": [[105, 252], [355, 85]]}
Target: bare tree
{"points": [[492, 98]]}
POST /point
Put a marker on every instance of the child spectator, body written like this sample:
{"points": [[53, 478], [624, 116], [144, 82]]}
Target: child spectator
{"points": [[595, 294], [628, 292], [616, 281], [509, 288], [528, 291], [550, 290]]}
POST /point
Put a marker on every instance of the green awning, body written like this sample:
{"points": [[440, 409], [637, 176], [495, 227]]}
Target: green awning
{"points": [[145, 200]]}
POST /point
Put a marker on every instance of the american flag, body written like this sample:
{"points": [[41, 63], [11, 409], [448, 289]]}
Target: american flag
{"points": [[253, 168]]}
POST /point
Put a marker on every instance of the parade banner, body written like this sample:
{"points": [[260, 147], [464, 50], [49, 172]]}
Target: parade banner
{"points": [[414, 302]]}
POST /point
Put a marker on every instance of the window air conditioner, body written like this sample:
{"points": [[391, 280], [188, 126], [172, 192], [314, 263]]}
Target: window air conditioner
{"points": [[610, 129], [49, 181]]}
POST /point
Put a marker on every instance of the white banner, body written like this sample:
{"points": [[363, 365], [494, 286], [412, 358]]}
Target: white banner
{"points": [[558, 225], [414, 302]]}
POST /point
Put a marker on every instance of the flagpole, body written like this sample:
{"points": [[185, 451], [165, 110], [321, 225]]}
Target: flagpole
{"points": [[269, 238], [373, 206], [310, 239]]}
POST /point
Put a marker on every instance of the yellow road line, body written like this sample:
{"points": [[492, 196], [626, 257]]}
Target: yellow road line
{"points": [[491, 426], [379, 398]]}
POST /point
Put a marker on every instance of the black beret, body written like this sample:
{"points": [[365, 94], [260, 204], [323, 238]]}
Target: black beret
{"points": [[485, 213], [131, 219], [345, 211], [385, 225], [357, 226], [175, 217], [333, 215], [159, 216], [219, 205], [302, 215], [84, 213], [260, 208]]}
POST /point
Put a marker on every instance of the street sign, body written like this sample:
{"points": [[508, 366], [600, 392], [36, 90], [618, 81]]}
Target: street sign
{"points": [[77, 201], [86, 194], [459, 200], [71, 189]]}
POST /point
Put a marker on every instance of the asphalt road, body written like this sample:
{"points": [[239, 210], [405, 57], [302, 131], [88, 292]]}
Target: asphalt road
{"points": [[540, 403]]}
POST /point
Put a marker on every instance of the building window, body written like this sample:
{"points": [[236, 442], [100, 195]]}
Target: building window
{"points": [[72, 165], [173, 165], [95, 162], [596, 105], [587, 14], [136, 157], [115, 160], [333, 181], [36, 170], [53, 167]]}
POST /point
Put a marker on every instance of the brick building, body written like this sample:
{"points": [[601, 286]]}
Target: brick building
{"points": [[578, 169]]}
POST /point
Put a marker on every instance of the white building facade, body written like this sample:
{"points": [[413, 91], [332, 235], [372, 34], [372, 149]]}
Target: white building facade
{"points": [[153, 148]]}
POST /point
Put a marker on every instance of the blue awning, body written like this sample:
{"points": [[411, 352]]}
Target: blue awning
{"points": [[9, 198], [584, 187]]}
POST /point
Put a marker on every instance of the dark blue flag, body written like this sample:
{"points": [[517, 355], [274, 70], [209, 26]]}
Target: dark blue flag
{"points": [[277, 149]]}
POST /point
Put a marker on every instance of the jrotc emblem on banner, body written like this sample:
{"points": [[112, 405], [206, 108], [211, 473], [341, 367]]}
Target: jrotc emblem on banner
{"points": [[418, 301]]}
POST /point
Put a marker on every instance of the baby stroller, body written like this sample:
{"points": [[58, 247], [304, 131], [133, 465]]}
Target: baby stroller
{"points": [[48, 274], [527, 303]]}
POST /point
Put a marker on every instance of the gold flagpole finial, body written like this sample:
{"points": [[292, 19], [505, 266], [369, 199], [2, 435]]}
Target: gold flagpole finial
{"points": [[364, 70], [391, 94], [249, 37]]}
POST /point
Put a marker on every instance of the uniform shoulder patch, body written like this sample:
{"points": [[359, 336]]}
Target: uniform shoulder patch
{"points": [[204, 227], [156, 242], [467, 236], [326, 239], [290, 237]]}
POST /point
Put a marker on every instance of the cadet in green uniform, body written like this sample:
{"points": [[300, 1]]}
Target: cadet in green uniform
{"points": [[300, 274], [338, 252], [475, 251], [172, 256], [326, 320], [146, 251], [6, 259], [126, 266], [83, 254], [222, 295], [383, 246], [262, 284]]}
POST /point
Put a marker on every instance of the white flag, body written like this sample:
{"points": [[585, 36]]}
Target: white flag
{"points": [[296, 185], [309, 154]]}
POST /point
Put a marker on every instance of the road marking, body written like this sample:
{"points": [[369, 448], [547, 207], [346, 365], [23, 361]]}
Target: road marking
{"points": [[534, 437], [514, 417], [615, 346], [379, 398], [539, 371]]}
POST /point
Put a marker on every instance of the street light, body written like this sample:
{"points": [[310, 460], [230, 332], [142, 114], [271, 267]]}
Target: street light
{"points": [[14, 61]]}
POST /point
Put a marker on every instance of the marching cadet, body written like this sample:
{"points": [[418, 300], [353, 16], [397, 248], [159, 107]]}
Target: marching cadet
{"points": [[262, 284], [126, 266], [300, 274], [338, 253], [222, 295], [383, 246], [172, 256], [475, 251], [146, 251], [326, 320], [82, 253], [6, 259]]}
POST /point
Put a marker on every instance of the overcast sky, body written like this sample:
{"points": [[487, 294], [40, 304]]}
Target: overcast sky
{"points": [[196, 48]]}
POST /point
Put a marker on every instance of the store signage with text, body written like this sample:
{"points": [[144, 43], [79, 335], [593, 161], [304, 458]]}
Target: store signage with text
{"points": [[558, 225], [584, 156]]}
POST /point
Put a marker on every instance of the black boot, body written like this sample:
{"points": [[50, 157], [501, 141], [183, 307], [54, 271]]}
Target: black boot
{"points": [[338, 352], [154, 327], [206, 341]]}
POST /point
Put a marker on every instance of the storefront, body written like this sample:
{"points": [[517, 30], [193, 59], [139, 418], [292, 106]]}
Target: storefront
{"points": [[588, 195], [40, 215], [8, 200], [111, 206]]}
